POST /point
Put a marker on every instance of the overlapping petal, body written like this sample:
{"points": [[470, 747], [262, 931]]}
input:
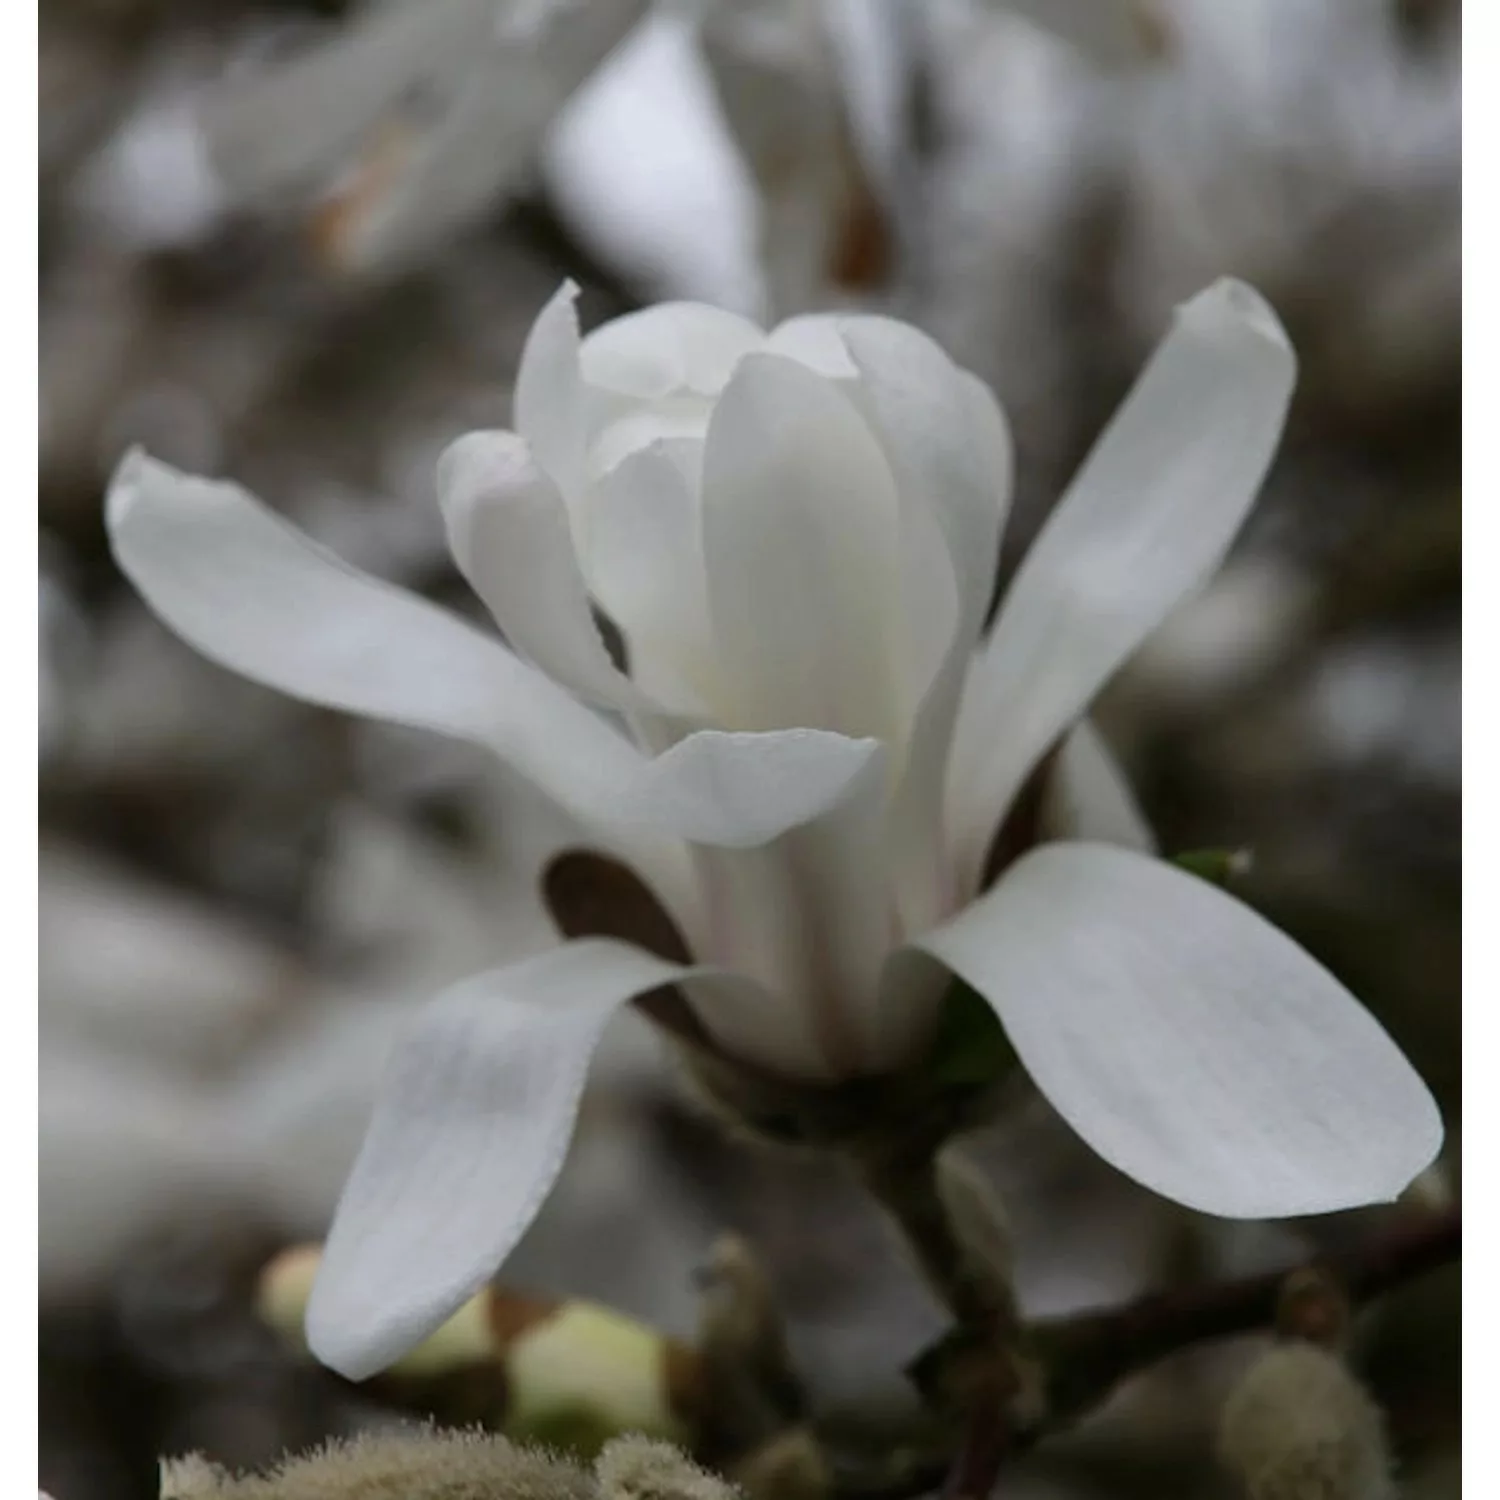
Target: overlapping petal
{"points": [[256, 595], [1190, 1043], [800, 540], [508, 531], [668, 348], [1088, 796]]}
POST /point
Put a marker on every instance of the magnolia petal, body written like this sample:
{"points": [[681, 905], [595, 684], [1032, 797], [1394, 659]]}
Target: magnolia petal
{"points": [[551, 406], [671, 347], [947, 442], [815, 340], [469, 1133], [1147, 519], [1088, 796], [1192, 1045], [739, 790], [809, 916], [641, 537], [254, 594], [257, 596], [508, 529], [800, 539], [949, 447]]}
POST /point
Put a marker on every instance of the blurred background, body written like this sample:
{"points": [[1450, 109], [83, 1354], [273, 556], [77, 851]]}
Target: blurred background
{"points": [[299, 242]]}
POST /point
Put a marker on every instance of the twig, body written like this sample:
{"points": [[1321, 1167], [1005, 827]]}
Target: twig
{"points": [[1084, 1357]]}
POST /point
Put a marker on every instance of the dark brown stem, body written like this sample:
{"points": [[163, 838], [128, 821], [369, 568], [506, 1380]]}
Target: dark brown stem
{"points": [[1087, 1356], [1084, 1357]]}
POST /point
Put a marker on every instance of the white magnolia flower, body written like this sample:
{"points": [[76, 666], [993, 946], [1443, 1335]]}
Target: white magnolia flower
{"points": [[811, 751]]}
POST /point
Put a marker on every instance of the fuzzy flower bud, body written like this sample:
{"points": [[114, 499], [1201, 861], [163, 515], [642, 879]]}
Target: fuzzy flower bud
{"points": [[636, 1468], [427, 1465], [1299, 1426]]}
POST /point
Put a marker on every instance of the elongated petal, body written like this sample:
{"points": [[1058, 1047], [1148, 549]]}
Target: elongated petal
{"points": [[1147, 519], [947, 443], [254, 594], [551, 408], [1089, 798], [508, 529], [949, 447], [469, 1134], [673, 346], [1190, 1043], [251, 592], [642, 540], [800, 540]]}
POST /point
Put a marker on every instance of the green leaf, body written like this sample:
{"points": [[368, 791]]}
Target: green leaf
{"points": [[971, 1049], [1216, 866]]}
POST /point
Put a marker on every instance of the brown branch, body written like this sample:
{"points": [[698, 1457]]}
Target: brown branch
{"points": [[1087, 1356], [1084, 1357]]}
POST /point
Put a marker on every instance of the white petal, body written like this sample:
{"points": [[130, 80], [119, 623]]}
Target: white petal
{"points": [[508, 529], [673, 346], [949, 448], [257, 596], [809, 916], [254, 594], [469, 1134], [1088, 796], [814, 340], [1190, 1043], [1147, 519], [800, 540], [641, 537], [736, 791], [947, 443], [551, 410]]}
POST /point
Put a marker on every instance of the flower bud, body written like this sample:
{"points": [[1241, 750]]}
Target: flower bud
{"points": [[1299, 1426], [636, 1468], [427, 1465]]}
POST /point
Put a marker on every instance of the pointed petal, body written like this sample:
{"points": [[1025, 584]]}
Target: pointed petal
{"points": [[800, 541], [252, 593], [469, 1133], [947, 443], [550, 398], [1147, 519], [671, 347], [1088, 796], [508, 529], [950, 450], [1190, 1043], [641, 539]]}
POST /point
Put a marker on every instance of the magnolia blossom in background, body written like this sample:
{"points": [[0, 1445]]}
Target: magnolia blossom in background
{"points": [[807, 753]]}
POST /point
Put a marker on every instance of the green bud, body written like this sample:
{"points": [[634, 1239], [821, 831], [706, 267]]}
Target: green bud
{"points": [[1217, 866]]}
